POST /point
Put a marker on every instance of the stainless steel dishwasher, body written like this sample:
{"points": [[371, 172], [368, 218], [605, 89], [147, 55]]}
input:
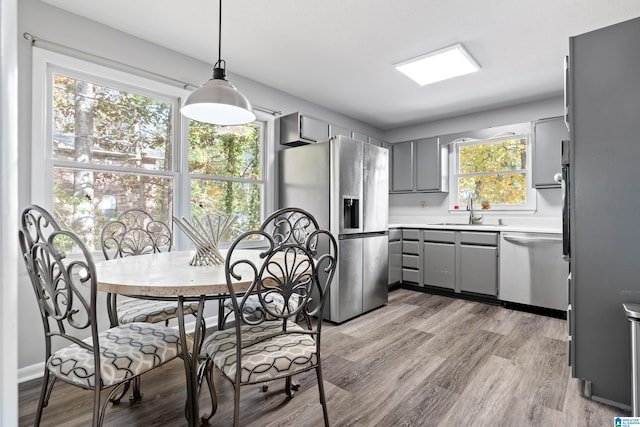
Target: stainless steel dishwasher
{"points": [[532, 270]]}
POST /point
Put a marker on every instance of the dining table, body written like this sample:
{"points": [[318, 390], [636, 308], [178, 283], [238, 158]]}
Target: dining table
{"points": [[169, 276]]}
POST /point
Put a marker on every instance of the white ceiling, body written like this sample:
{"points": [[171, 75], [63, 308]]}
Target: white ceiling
{"points": [[339, 53]]}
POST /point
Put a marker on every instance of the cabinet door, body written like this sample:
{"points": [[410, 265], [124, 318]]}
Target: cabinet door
{"points": [[335, 130], [395, 262], [439, 264], [313, 129], [402, 166], [359, 136], [376, 141], [547, 151], [479, 269], [428, 172]]}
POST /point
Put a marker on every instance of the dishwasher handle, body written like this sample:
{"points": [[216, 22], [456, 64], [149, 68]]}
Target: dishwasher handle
{"points": [[530, 239]]}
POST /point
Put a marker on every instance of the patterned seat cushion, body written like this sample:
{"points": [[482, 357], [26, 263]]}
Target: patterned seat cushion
{"points": [[276, 357], [141, 310], [125, 351], [273, 301]]}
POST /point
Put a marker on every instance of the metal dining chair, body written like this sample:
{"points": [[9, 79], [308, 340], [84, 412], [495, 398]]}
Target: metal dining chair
{"points": [[65, 288], [135, 232], [265, 344], [287, 225]]}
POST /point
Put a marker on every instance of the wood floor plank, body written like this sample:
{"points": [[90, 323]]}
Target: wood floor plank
{"points": [[456, 371], [544, 380], [520, 413], [422, 360], [482, 402]]}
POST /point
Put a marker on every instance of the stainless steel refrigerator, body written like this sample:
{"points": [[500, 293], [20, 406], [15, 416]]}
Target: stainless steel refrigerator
{"points": [[344, 183], [603, 189]]}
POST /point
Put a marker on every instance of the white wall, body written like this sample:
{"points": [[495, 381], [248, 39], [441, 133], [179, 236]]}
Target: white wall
{"points": [[55, 25], [8, 223], [408, 208]]}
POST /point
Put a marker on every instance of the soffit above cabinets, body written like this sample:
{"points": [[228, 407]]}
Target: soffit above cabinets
{"points": [[340, 54]]}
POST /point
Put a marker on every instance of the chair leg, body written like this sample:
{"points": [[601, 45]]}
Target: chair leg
{"points": [[221, 314], [116, 400], [137, 394], [45, 391], [323, 400], [236, 405], [98, 414], [206, 371]]}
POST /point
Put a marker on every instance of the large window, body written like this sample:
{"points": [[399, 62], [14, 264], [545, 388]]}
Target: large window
{"points": [[110, 141], [494, 172], [225, 163]]}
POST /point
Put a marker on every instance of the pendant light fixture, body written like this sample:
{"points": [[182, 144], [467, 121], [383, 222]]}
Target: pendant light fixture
{"points": [[217, 101]]}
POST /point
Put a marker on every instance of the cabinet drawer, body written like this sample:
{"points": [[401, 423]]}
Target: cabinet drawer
{"points": [[411, 234], [439, 236], [411, 261], [395, 234], [409, 275], [410, 247], [479, 238]]}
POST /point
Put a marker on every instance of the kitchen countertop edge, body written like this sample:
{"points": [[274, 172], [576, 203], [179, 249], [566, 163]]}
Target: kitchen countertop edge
{"points": [[481, 227]]}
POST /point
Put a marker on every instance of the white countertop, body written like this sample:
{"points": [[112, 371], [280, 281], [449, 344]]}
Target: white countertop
{"points": [[522, 228]]}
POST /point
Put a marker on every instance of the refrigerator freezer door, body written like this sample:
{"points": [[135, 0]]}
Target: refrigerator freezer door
{"points": [[375, 290], [375, 188], [346, 299]]}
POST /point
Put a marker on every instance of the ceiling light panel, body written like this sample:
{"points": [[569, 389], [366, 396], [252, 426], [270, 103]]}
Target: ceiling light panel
{"points": [[443, 64]]}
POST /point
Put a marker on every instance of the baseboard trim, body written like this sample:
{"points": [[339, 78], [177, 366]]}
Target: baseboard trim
{"points": [[36, 370]]}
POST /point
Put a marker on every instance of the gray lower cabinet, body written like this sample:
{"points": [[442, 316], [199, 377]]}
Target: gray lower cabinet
{"points": [[479, 269], [395, 256], [439, 264], [463, 261], [411, 256]]}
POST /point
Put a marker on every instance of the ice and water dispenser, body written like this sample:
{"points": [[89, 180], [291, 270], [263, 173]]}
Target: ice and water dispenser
{"points": [[351, 212]]}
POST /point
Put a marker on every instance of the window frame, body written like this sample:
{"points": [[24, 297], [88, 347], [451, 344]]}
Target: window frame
{"points": [[529, 206], [47, 62]]}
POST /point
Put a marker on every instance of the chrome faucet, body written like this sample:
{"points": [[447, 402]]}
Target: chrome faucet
{"points": [[473, 219]]}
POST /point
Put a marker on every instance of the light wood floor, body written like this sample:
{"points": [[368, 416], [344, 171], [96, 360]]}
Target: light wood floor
{"points": [[422, 360]]}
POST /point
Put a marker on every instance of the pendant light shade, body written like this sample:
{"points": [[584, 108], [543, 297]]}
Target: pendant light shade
{"points": [[217, 101]]}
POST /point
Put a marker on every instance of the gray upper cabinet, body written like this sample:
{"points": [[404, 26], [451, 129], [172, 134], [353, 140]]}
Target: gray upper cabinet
{"points": [[335, 130], [359, 136], [547, 152], [376, 141], [420, 166], [431, 166], [402, 167], [297, 129]]}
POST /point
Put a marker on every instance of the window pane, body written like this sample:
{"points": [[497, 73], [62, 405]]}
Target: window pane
{"points": [[497, 189], [85, 200], [493, 156], [232, 151], [97, 124], [226, 197]]}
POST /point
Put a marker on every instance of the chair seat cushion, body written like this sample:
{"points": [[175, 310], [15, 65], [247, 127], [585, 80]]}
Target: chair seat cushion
{"points": [[273, 301], [276, 357], [149, 311], [125, 351]]}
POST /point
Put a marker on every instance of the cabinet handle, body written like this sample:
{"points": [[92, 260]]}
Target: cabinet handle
{"points": [[512, 238]]}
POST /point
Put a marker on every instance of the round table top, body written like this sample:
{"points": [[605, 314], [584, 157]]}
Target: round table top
{"points": [[168, 274]]}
